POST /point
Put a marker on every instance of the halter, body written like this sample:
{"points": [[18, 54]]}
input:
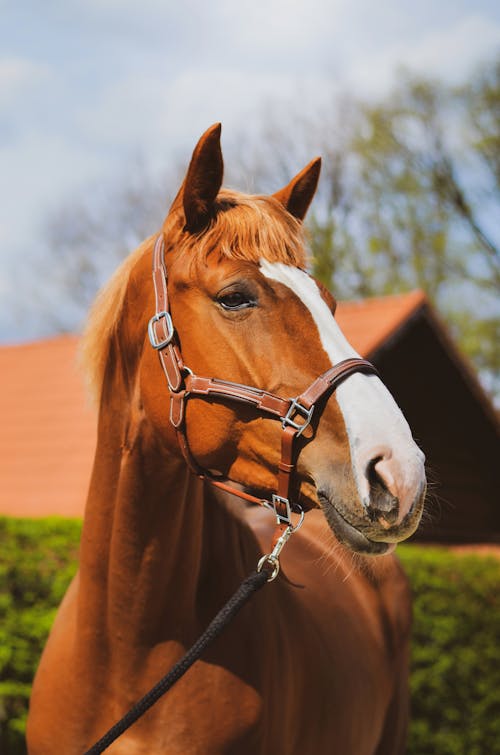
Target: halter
{"points": [[295, 414]]}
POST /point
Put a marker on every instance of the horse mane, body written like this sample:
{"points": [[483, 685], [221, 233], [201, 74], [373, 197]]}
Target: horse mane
{"points": [[102, 320], [245, 227]]}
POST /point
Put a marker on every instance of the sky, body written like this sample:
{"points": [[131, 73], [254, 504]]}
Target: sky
{"points": [[87, 84]]}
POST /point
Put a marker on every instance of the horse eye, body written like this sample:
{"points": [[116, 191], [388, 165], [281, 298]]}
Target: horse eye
{"points": [[235, 300]]}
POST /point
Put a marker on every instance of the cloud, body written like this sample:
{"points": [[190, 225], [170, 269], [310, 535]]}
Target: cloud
{"points": [[288, 32], [449, 52], [452, 52], [18, 78]]}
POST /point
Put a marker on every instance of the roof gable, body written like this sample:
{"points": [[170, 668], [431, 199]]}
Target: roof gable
{"points": [[48, 429], [369, 323]]}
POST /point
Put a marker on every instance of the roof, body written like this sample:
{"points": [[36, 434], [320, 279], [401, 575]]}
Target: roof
{"points": [[48, 430], [369, 323]]}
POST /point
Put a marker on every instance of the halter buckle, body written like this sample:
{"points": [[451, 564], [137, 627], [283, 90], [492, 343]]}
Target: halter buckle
{"points": [[282, 517], [302, 411], [155, 343]]}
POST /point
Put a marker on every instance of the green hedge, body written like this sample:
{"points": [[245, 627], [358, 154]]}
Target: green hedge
{"points": [[37, 561], [456, 636], [455, 679]]}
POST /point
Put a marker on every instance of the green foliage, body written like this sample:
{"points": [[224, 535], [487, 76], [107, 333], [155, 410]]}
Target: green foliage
{"points": [[455, 678], [37, 562], [482, 99], [421, 186], [404, 221]]}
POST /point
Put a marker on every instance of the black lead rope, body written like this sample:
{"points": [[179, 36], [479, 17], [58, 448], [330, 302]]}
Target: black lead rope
{"points": [[254, 582]]}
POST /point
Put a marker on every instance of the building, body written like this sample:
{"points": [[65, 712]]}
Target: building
{"points": [[48, 430]]}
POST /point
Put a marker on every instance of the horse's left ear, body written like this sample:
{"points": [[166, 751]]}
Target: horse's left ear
{"points": [[297, 196], [203, 180]]}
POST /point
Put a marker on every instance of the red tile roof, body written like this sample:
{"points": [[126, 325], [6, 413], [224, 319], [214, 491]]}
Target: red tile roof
{"points": [[48, 430], [369, 323]]}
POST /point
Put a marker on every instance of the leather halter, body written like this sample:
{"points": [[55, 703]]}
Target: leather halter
{"points": [[295, 414]]}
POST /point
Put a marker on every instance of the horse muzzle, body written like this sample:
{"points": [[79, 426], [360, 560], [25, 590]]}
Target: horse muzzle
{"points": [[370, 530]]}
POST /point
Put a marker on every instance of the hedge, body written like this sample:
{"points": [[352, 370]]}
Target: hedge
{"points": [[455, 678], [37, 560]]}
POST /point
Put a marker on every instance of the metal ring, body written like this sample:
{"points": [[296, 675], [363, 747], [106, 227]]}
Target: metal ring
{"points": [[301, 520], [274, 563]]}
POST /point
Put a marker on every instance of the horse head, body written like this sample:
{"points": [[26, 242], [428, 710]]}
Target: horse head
{"points": [[245, 310]]}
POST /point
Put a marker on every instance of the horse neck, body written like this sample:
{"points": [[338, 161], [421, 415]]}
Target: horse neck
{"points": [[155, 545]]}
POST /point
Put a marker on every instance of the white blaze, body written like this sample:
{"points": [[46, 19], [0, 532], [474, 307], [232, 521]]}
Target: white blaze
{"points": [[374, 422]]}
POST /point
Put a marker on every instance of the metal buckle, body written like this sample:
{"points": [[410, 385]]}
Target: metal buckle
{"points": [[296, 408], [282, 518], [295, 508], [158, 345]]}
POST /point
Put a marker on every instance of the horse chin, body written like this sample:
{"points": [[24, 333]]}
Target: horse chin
{"points": [[351, 536]]}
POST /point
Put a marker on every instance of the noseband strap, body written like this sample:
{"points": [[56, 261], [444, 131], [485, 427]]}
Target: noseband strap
{"points": [[295, 414]]}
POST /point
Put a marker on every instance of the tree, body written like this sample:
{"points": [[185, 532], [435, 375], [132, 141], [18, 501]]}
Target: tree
{"points": [[409, 197], [87, 237], [424, 185]]}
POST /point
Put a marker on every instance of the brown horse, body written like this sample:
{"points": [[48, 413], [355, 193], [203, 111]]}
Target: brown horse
{"points": [[317, 662]]}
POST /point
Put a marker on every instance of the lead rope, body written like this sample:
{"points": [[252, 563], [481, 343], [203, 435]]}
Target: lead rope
{"points": [[251, 584], [267, 570]]}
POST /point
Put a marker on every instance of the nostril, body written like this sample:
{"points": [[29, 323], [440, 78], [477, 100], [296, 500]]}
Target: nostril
{"points": [[379, 484], [383, 505]]}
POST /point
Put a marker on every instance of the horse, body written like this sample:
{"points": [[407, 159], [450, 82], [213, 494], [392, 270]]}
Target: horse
{"points": [[317, 662]]}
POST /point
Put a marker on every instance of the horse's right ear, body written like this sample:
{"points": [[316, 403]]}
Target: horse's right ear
{"points": [[203, 180]]}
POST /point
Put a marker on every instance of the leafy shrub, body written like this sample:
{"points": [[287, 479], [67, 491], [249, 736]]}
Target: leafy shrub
{"points": [[455, 679], [37, 562]]}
